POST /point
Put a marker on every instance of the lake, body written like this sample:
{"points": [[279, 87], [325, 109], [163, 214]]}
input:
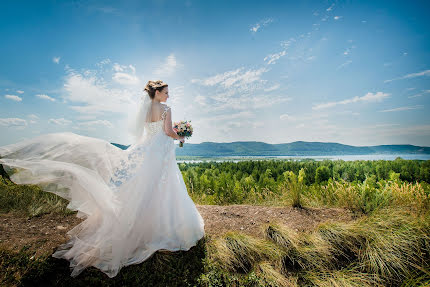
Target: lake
{"points": [[317, 158]]}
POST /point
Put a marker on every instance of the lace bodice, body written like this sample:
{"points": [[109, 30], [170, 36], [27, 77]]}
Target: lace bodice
{"points": [[134, 155], [154, 127]]}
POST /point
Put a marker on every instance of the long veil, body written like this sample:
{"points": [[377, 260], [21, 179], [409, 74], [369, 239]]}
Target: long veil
{"points": [[137, 127], [134, 201], [84, 170]]}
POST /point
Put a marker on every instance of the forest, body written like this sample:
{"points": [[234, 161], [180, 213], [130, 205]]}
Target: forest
{"points": [[257, 181]]}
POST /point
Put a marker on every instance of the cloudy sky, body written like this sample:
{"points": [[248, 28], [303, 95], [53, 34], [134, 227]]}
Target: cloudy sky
{"points": [[353, 72]]}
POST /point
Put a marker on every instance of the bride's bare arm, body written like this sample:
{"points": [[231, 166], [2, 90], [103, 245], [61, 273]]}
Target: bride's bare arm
{"points": [[168, 128]]}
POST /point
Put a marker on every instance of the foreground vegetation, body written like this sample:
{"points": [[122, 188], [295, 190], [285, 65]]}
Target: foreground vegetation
{"points": [[359, 185], [387, 245], [388, 248]]}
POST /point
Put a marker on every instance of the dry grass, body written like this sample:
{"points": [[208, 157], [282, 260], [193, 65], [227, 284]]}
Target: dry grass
{"points": [[270, 276], [239, 252], [349, 277], [384, 248]]}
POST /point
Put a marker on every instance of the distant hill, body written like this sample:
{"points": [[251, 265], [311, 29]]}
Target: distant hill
{"points": [[298, 148]]}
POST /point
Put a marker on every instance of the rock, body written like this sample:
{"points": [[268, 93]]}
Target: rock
{"points": [[60, 227]]}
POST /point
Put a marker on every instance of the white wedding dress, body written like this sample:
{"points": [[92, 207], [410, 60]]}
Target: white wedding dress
{"points": [[134, 201]]}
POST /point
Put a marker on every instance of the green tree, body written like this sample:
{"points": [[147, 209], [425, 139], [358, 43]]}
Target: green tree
{"points": [[295, 185], [322, 174]]}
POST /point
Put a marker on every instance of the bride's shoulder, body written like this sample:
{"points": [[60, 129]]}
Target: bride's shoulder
{"points": [[165, 107]]}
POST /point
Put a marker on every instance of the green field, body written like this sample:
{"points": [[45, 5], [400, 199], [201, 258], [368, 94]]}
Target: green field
{"points": [[386, 245]]}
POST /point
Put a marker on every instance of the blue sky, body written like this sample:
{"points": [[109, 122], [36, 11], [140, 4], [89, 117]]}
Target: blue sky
{"points": [[353, 72]]}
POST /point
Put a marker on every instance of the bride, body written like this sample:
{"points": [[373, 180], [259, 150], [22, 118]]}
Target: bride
{"points": [[134, 201]]}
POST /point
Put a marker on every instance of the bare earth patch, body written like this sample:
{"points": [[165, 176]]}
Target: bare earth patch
{"points": [[249, 218], [43, 234]]}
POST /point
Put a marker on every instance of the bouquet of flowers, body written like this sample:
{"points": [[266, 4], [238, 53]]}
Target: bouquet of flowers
{"points": [[183, 129]]}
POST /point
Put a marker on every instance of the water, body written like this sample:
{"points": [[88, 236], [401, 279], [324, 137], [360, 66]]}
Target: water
{"points": [[317, 158]]}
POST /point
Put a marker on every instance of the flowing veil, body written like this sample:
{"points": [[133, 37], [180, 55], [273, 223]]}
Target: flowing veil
{"points": [[72, 166], [137, 128], [134, 201]]}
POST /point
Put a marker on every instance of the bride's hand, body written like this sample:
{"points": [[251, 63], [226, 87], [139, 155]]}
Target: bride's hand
{"points": [[182, 139]]}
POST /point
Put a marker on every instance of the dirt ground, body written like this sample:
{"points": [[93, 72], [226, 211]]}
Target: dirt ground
{"points": [[43, 234]]}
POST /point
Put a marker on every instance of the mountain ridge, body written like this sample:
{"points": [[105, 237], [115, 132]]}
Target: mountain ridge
{"points": [[297, 148]]}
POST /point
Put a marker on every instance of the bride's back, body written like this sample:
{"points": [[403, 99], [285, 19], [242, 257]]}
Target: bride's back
{"points": [[155, 112]]}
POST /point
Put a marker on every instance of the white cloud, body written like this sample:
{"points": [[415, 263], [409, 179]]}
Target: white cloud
{"points": [[388, 132], [92, 94], [330, 8], [45, 97], [56, 60], [125, 79], [348, 50], [417, 95], [13, 122], [231, 116], [286, 44], [272, 88], [258, 124], [403, 108], [348, 113], [118, 68], [263, 101], [85, 117], [287, 117], [226, 123], [103, 62], [369, 97], [272, 58], [105, 123], [176, 94], [257, 26], [233, 78], [33, 116], [124, 75], [60, 121], [20, 92], [200, 100], [337, 17], [412, 75], [168, 67], [238, 89], [13, 98], [344, 64]]}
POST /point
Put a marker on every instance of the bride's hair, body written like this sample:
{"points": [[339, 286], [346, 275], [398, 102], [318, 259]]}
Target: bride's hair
{"points": [[153, 86]]}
